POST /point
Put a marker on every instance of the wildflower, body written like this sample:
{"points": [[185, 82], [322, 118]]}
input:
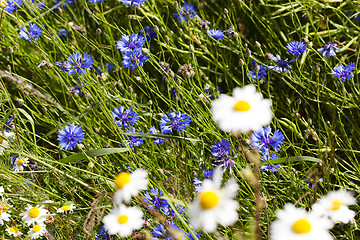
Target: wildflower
{"points": [[295, 224], [245, 111], [124, 117], [134, 61], [198, 235], [335, 206], [282, 64], [296, 48], [129, 184], [3, 3], [231, 32], [133, 141], [272, 168], [4, 216], [216, 34], [132, 3], [37, 231], [78, 64], [3, 140], [69, 136], [12, 5], [63, 34], [66, 208], [152, 130], [159, 231], [258, 71], [204, 24], [109, 67], [153, 197], [264, 140], [130, 45], [8, 127], [185, 12], [225, 162], [1, 191], [148, 33], [343, 73], [213, 205], [329, 50], [60, 4], [34, 214], [208, 174], [96, 1], [13, 231], [101, 234], [221, 148], [174, 121], [123, 220], [20, 163], [34, 32]]}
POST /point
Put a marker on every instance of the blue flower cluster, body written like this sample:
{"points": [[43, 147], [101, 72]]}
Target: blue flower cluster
{"points": [[33, 33], [70, 136], [132, 3], [343, 73], [208, 174], [257, 71], [124, 117], [76, 64], [174, 122], [220, 150], [185, 12], [12, 5]]}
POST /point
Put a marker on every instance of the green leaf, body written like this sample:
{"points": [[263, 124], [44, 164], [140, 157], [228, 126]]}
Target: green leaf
{"points": [[93, 153], [292, 159]]}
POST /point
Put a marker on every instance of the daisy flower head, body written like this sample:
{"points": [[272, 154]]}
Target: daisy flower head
{"points": [[134, 60], [37, 231], [245, 111], [216, 34], [129, 184], [297, 224], [174, 121], [264, 140], [3, 140], [296, 48], [282, 65], [185, 12], [69, 136], [132, 44], [335, 206], [124, 117], [78, 63], [66, 208], [34, 215], [34, 32], [343, 73], [123, 220], [20, 163], [329, 50], [214, 205], [132, 3], [13, 231], [4, 216]]}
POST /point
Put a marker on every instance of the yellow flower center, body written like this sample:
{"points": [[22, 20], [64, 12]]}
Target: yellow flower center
{"points": [[123, 219], [336, 205], [3, 3], [122, 179], [20, 162], [301, 226], [0, 212], [242, 106], [36, 228], [14, 229], [34, 212], [90, 164], [208, 200], [65, 207]]}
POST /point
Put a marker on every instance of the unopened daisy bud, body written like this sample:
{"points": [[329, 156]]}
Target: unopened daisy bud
{"points": [[156, 29], [248, 52], [256, 67], [176, 4], [226, 11], [90, 165], [130, 89], [241, 62], [145, 51], [10, 50], [98, 31], [257, 44], [150, 102], [191, 48], [138, 79], [167, 39]]}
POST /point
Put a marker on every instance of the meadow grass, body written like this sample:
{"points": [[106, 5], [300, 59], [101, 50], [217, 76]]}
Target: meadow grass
{"points": [[317, 113]]}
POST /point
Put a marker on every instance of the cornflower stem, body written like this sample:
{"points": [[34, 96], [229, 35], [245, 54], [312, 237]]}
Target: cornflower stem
{"points": [[258, 200]]}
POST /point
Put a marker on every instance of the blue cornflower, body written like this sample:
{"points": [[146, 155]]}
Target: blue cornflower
{"points": [[296, 48], [226, 162], [124, 117], [221, 148], [109, 67], [208, 174], [174, 121], [39, 5], [78, 64], [260, 69], [329, 50], [343, 73], [263, 140], [101, 234], [272, 168], [96, 1], [148, 33], [134, 61], [34, 32], [132, 3], [12, 5], [130, 45], [282, 64], [63, 34], [153, 197], [216, 34], [198, 235], [185, 12], [8, 127], [69, 136], [310, 183], [62, 4], [168, 211], [152, 130], [133, 141], [159, 231]]}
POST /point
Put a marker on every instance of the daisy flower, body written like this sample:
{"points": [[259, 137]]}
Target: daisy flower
{"points": [[34, 214], [4, 216], [20, 163], [129, 184], [297, 224], [37, 231], [69, 136], [13, 231], [3, 141], [245, 111], [335, 206], [66, 208], [213, 205], [123, 220]]}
